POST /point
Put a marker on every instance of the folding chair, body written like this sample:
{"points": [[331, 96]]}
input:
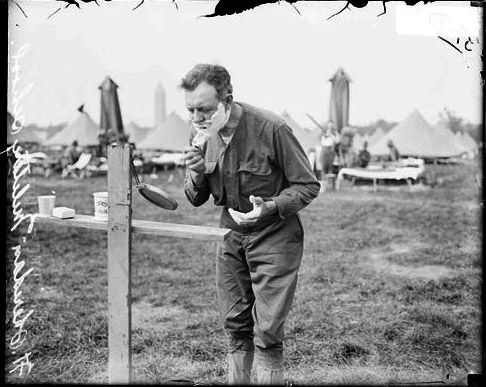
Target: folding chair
{"points": [[78, 167]]}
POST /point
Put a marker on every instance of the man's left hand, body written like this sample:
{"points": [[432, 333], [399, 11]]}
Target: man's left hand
{"points": [[260, 210]]}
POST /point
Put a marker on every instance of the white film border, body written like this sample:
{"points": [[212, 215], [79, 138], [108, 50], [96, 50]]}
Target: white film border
{"points": [[457, 20]]}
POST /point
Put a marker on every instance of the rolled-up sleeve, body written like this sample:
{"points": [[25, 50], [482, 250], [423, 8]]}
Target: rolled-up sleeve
{"points": [[196, 194], [293, 161]]}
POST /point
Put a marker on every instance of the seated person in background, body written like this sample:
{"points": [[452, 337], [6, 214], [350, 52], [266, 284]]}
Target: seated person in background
{"points": [[394, 154], [73, 153], [364, 156]]}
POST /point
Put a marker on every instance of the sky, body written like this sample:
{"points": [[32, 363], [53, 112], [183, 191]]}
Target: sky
{"points": [[279, 59]]}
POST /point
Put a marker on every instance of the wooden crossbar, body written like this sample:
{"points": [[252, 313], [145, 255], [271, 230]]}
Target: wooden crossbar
{"points": [[210, 234], [120, 227]]}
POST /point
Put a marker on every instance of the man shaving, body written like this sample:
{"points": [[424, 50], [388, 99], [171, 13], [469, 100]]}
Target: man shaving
{"points": [[257, 171]]}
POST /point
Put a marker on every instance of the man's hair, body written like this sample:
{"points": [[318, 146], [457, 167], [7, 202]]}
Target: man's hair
{"points": [[214, 75]]}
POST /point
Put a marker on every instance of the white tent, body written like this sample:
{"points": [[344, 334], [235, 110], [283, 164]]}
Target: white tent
{"points": [[366, 138], [173, 135], [359, 140], [136, 133], [309, 139], [467, 141], [415, 137], [83, 129], [456, 140], [25, 134], [375, 136]]}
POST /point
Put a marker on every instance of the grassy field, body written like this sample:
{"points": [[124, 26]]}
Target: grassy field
{"points": [[389, 289]]}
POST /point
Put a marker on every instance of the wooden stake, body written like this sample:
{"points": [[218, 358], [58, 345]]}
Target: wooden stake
{"points": [[119, 264], [119, 227]]}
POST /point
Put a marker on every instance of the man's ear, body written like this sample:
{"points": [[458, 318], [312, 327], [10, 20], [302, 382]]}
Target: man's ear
{"points": [[229, 99]]}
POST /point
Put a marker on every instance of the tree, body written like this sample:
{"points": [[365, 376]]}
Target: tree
{"points": [[452, 121]]}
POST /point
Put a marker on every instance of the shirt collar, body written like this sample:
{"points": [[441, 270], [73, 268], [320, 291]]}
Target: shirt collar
{"points": [[235, 115]]}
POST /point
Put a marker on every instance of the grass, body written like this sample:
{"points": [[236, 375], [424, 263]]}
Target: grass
{"points": [[389, 289]]}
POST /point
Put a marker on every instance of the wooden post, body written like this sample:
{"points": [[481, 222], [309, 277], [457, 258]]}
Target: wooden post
{"points": [[120, 228], [119, 264]]}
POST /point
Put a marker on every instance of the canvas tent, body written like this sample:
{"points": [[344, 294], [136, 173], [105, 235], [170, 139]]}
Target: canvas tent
{"points": [[25, 134], [359, 140], [83, 129], [415, 137], [467, 141], [461, 148], [173, 135], [375, 136], [136, 133], [309, 139]]}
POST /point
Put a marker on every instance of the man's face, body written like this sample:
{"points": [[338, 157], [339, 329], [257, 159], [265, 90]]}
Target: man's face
{"points": [[201, 104]]}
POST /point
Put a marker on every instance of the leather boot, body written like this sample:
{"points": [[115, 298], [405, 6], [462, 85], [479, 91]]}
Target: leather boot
{"points": [[270, 367], [239, 367]]}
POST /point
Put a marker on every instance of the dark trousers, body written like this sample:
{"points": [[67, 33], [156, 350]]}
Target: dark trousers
{"points": [[257, 274], [327, 159]]}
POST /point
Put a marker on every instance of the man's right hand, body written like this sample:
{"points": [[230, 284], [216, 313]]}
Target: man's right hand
{"points": [[195, 162]]}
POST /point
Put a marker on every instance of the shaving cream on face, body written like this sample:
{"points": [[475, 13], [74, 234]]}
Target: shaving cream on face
{"points": [[210, 127]]}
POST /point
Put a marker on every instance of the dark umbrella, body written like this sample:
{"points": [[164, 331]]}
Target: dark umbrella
{"points": [[110, 107], [339, 101], [339, 108], [110, 112]]}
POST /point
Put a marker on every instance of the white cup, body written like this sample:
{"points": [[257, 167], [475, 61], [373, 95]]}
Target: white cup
{"points": [[101, 205], [46, 204]]}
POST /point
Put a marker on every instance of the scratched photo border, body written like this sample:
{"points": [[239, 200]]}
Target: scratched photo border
{"points": [[23, 259]]}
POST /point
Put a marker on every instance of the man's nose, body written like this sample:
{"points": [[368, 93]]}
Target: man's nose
{"points": [[197, 117]]}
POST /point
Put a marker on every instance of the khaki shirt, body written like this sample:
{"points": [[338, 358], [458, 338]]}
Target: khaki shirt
{"points": [[263, 158]]}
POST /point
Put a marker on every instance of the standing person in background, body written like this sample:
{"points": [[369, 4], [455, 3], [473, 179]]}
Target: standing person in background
{"points": [[328, 151], [256, 170]]}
